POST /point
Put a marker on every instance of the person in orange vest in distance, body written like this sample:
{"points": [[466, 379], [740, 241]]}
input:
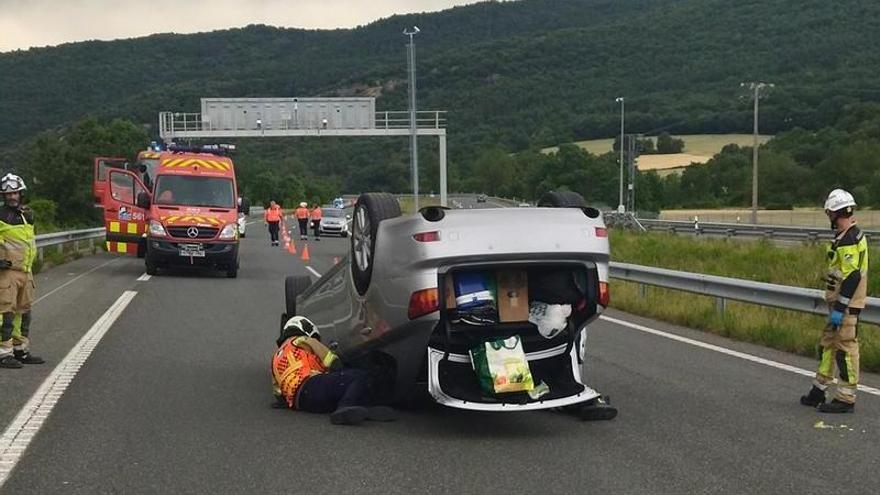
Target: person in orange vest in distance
{"points": [[317, 215], [273, 216], [302, 218], [308, 376]]}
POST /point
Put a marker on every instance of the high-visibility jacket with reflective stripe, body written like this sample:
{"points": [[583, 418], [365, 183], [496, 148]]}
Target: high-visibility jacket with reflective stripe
{"points": [[18, 243], [274, 214], [847, 283], [296, 360], [301, 213], [317, 214]]}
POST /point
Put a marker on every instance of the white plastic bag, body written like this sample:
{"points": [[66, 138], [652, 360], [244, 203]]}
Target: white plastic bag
{"points": [[550, 318]]}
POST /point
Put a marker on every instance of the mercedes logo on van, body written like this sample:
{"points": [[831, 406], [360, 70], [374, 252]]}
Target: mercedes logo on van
{"points": [[192, 232]]}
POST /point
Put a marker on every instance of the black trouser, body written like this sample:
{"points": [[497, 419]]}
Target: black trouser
{"points": [[21, 342], [328, 392], [303, 226], [316, 227], [273, 231]]}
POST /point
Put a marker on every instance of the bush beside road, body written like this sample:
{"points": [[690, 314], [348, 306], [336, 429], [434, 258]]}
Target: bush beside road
{"points": [[760, 261]]}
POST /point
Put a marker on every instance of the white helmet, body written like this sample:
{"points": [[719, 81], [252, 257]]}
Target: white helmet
{"points": [[303, 204], [12, 183], [838, 200], [298, 326]]}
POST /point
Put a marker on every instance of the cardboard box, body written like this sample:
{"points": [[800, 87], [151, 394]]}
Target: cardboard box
{"points": [[450, 291], [513, 295]]}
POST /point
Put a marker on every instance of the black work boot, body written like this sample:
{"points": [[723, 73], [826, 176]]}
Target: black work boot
{"points": [[837, 407], [598, 409], [814, 398], [353, 415], [10, 362], [25, 357]]}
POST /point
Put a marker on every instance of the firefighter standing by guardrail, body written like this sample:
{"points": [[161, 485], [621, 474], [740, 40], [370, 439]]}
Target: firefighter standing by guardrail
{"points": [[18, 249], [846, 291]]}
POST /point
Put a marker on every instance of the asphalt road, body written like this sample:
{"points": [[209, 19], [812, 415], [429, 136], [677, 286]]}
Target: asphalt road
{"points": [[176, 399]]}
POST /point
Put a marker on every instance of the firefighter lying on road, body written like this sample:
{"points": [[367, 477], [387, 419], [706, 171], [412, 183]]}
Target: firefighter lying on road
{"points": [[308, 376]]}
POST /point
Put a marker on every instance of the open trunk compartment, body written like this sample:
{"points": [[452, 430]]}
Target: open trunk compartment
{"points": [[551, 357]]}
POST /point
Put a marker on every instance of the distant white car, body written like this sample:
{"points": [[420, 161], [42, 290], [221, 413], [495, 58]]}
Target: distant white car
{"points": [[524, 205], [335, 222]]}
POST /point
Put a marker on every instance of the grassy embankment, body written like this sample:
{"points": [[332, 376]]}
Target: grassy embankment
{"points": [[790, 331]]}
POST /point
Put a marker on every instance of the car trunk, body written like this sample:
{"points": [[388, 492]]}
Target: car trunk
{"points": [[466, 323]]}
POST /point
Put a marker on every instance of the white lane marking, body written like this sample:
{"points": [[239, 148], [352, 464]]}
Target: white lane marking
{"points": [[313, 271], [81, 275], [18, 435], [729, 352], [144, 278]]}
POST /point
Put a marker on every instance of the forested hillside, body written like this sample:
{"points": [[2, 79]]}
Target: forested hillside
{"points": [[514, 76]]}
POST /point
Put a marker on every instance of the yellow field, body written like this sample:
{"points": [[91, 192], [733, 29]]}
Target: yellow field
{"points": [[808, 217], [698, 148]]}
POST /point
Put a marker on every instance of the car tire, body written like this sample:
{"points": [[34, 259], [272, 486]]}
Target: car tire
{"points": [[232, 272], [294, 286], [142, 249], [369, 210], [562, 199]]}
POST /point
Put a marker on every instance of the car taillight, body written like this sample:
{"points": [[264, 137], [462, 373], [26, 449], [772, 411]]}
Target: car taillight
{"points": [[427, 236], [604, 294], [423, 302], [601, 232]]}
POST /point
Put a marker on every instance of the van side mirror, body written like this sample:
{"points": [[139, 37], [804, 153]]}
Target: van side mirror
{"points": [[143, 200]]}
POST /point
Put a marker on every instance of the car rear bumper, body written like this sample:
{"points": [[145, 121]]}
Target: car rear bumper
{"points": [[167, 253], [452, 381]]}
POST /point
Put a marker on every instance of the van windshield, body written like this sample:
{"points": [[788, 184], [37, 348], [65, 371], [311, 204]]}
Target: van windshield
{"points": [[182, 190]]}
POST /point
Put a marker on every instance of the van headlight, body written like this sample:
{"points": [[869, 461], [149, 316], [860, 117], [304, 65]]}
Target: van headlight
{"points": [[156, 229], [229, 232]]}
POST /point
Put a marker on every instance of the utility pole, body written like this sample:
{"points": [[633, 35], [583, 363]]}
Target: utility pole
{"points": [[756, 88], [620, 207], [413, 128]]}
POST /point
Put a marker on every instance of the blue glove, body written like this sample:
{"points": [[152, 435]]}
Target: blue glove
{"points": [[835, 318]]}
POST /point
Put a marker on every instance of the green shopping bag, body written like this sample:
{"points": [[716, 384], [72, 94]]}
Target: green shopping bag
{"points": [[501, 366]]}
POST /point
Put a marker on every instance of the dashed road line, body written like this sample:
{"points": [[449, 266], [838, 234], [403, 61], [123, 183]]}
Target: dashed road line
{"points": [[724, 350], [144, 278], [27, 423], [313, 271]]}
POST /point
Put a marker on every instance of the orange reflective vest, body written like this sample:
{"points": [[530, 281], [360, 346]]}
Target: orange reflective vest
{"points": [[298, 359], [301, 213], [274, 214], [317, 214]]}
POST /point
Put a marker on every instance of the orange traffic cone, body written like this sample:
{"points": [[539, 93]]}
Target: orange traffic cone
{"points": [[305, 253], [291, 246]]}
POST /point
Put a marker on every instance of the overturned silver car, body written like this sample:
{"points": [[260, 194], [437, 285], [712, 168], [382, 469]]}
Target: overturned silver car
{"points": [[396, 298]]}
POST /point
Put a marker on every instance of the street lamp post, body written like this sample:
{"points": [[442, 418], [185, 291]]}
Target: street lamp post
{"points": [[413, 128], [620, 207], [756, 88]]}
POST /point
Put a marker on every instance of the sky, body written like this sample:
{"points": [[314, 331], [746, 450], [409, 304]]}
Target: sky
{"points": [[30, 23]]}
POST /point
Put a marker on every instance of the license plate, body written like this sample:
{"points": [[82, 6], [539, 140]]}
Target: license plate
{"points": [[192, 251]]}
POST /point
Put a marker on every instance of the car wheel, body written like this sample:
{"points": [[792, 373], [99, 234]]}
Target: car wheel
{"points": [[151, 269], [562, 199], [232, 272], [294, 286], [369, 211], [142, 249]]}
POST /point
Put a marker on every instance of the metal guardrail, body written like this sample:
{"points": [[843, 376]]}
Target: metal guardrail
{"points": [[56, 238], [723, 288], [776, 232]]}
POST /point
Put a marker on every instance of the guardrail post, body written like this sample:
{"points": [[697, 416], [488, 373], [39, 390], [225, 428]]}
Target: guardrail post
{"points": [[40, 254], [643, 291], [720, 305]]}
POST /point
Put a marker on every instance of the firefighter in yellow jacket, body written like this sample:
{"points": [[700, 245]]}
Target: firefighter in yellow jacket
{"points": [[17, 252], [846, 290], [308, 376]]}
